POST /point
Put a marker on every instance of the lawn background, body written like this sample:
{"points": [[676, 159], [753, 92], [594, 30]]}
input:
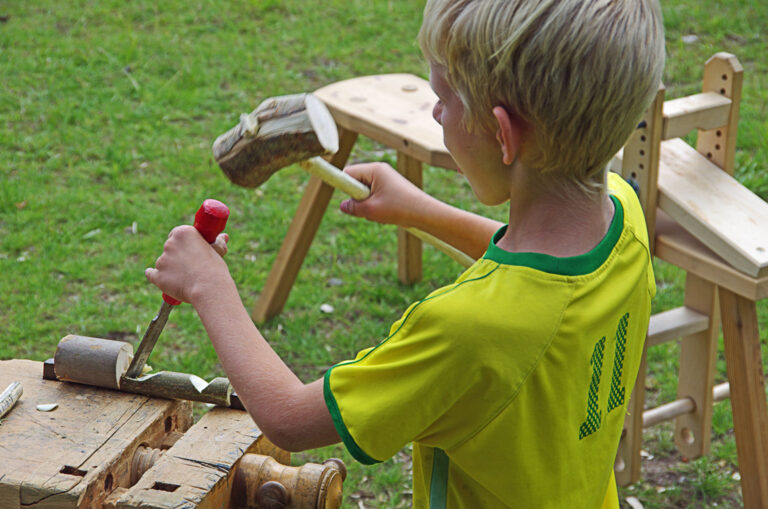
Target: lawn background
{"points": [[107, 114]]}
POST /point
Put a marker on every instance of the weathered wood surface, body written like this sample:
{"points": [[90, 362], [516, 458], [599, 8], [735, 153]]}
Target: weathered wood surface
{"points": [[75, 455], [195, 473]]}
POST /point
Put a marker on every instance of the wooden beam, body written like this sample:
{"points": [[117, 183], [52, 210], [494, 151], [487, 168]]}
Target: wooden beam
{"points": [[409, 268], [675, 323], [707, 110], [680, 248], [747, 382]]}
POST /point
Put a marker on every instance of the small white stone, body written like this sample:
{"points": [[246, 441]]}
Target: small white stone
{"points": [[634, 503], [326, 308], [690, 39]]}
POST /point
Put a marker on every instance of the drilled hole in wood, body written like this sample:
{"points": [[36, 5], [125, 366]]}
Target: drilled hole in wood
{"points": [[642, 152], [725, 77], [687, 436], [642, 138], [709, 155], [718, 133], [633, 175], [717, 147], [108, 483], [73, 471], [641, 166], [161, 486], [722, 91], [168, 424]]}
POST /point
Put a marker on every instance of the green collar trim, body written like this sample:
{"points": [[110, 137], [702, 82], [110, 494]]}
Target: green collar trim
{"points": [[567, 266]]}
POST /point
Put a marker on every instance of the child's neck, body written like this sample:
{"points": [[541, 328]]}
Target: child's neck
{"points": [[541, 220]]}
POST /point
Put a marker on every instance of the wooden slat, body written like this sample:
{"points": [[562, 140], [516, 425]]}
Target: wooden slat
{"points": [[675, 323], [744, 362], [714, 207], [699, 111], [409, 268], [393, 109], [696, 373], [680, 248]]}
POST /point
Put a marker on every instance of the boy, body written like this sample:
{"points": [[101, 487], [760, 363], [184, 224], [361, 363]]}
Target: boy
{"points": [[512, 383]]}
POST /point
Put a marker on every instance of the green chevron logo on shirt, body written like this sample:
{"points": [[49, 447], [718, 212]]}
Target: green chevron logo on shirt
{"points": [[616, 396]]}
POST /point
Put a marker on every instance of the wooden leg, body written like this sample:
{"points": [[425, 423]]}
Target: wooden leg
{"points": [[750, 413], [408, 246], [698, 353], [300, 234], [628, 460]]}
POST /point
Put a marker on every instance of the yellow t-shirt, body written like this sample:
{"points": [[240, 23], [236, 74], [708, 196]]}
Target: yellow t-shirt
{"points": [[512, 383]]}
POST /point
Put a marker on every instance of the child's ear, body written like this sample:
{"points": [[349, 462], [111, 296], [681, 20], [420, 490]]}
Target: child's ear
{"points": [[509, 134]]}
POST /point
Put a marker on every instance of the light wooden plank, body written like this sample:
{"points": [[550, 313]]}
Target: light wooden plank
{"points": [[675, 323], [409, 268], [699, 111], [680, 248], [696, 374], [747, 384], [714, 207], [393, 109]]}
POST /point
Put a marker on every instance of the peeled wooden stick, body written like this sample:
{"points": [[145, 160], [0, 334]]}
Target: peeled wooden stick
{"points": [[295, 129]]}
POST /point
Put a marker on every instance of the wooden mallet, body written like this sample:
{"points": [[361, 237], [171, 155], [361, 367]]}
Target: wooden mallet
{"points": [[295, 129]]}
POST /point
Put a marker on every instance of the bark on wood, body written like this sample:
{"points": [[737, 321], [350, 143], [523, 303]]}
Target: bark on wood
{"points": [[281, 131], [172, 385], [92, 361]]}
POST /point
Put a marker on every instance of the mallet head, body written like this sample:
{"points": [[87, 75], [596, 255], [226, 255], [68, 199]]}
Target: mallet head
{"points": [[281, 131]]}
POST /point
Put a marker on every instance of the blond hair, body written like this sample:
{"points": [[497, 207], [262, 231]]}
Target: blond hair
{"points": [[580, 72]]}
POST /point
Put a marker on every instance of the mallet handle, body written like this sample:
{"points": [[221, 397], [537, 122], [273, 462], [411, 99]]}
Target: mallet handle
{"points": [[337, 179]]}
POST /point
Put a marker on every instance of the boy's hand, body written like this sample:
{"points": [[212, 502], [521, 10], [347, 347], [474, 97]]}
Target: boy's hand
{"points": [[393, 200], [189, 267]]}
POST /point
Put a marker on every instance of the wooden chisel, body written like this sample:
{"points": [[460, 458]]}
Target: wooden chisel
{"points": [[210, 220]]}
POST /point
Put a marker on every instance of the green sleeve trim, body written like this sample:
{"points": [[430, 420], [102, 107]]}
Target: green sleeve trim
{"points": [[438, 486], [567, 266], [341, 428]]}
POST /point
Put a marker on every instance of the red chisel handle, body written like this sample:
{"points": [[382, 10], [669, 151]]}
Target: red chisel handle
{"points": [[210, 220]]}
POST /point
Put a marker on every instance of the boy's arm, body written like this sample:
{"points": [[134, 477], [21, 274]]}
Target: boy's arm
{"points": [[395, 200], [291, 414]]}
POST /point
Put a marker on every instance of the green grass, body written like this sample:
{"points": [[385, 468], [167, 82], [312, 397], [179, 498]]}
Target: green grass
{"points": [[107, 114]]}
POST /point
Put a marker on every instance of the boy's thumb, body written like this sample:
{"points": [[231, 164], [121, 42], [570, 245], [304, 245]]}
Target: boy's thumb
{"points": [[349, 206]]}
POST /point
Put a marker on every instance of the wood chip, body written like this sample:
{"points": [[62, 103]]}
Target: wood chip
{"points": [[47, 407]]}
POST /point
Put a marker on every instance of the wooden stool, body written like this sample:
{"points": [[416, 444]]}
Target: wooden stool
{"points": [[717, 231], [105, 449], [392, 109]]}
